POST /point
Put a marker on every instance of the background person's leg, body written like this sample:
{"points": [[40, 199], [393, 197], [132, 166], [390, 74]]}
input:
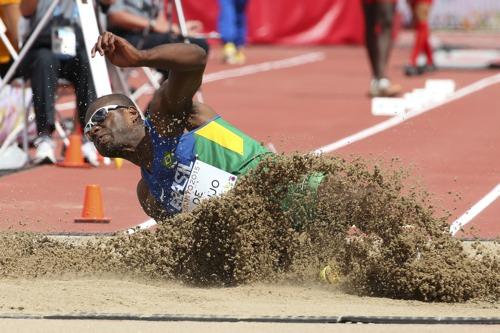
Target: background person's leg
{"points": [[241, 30], [241, 23], [228, 28], [227, 21], [421, 44], [380, 34], [385, 16], [10, 14], [423, 11], [78, 71], [371, 36], [44, 70]]}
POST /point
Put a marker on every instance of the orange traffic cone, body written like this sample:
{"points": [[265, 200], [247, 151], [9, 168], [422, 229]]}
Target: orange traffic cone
{"points": [[93, 210], [74, 157]]}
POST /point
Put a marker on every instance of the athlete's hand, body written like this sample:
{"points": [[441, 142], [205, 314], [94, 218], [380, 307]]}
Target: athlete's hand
{"points": [[120, 52]]}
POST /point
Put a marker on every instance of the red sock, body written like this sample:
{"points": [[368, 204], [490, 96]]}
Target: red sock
{"points": [[428, 51], [422, 35]]}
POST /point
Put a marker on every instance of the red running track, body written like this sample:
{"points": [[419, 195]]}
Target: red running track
{"points": [[453, 148]]}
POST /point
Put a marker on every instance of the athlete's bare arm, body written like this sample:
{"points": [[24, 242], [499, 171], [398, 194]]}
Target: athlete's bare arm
{"points": [[171, 104], [171, 109]]}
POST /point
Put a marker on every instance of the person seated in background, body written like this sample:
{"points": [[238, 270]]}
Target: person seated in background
{"points": [[58, 52], [9, 13], [420, 10], [144, 25]]}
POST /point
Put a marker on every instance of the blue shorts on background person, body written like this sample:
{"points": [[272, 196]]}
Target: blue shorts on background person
{"points": [[233, 29]]}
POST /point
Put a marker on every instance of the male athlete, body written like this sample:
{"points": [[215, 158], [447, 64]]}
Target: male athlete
{"points": [[186, 152]]}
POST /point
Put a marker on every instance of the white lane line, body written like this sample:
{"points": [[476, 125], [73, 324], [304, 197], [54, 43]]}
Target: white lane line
{"points": [[144, 225], [265, 66], [271, 147], [394, 121], [481, 205]]}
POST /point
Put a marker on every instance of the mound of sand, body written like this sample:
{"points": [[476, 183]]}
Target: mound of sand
{"points": [[273, 226]]}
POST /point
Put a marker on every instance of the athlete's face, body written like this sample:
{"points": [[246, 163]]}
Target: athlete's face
{"points": [[121, 128]]}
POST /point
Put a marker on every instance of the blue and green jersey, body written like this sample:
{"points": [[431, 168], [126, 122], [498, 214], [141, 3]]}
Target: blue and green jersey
{"points": [[199, 164]]}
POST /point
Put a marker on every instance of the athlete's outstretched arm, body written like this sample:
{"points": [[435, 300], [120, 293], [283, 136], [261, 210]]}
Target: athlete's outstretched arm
{"points": [[170, 106]]}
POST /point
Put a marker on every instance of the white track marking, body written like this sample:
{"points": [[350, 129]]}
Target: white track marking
{"points": [[265, 66], [144, 225], [271, 147], [481, 205], [394, 121]]}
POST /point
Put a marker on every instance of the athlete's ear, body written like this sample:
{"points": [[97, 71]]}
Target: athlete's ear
{"points": [[133, 112]]}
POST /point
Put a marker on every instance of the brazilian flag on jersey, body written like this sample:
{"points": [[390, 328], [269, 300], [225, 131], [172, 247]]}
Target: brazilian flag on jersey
{"points": [[199, 164], [223, 146]]}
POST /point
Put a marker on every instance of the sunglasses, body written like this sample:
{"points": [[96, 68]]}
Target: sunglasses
{"points": [[99, 116]]}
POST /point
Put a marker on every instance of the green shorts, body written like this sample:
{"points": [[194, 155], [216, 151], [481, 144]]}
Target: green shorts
{"points": [[301, 198]]}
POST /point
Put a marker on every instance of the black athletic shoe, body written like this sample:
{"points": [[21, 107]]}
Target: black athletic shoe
{"points": [[430, 68], [413, 70]]}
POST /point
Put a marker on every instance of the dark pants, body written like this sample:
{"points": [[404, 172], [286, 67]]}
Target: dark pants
{"points": [[4, 68], [232, 21], [154, 39], [43, 68], [378, 35]]}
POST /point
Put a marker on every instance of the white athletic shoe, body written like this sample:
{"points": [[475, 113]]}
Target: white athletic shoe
{"points": [[384, 88], [45, 150], [90, 153]]}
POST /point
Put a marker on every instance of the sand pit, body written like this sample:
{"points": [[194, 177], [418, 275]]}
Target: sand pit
{"points": [[258, 251], [114, 295], [73, 296]]}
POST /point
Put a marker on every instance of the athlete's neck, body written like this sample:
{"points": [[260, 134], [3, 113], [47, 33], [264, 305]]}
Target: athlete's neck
{"points": [[142, 155]]}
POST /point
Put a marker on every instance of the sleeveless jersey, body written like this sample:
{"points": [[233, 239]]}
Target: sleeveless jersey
{"points": [[199, 164]]}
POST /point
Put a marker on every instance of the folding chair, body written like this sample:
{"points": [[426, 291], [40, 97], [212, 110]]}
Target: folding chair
{"points": [[12, 70]]}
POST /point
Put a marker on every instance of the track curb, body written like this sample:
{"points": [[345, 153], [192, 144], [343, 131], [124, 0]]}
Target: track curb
{"points": [[265, 319]]}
